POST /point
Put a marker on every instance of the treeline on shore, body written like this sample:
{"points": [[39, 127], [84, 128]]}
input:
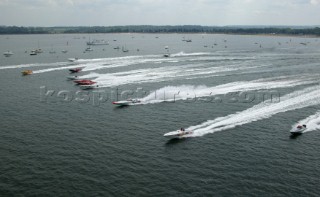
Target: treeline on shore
{"points": [[161, 29]]}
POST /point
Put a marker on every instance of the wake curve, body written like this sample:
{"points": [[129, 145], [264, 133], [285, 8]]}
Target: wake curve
{"points": [[189, 92], [312, 122], [296, 100]]}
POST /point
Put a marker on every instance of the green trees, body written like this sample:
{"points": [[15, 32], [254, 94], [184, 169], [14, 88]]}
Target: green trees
{"points": [[162, 29]]}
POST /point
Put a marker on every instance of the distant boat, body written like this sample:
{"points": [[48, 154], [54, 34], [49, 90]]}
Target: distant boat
{"points": [[27, 72], [72, 59], [64, 51], [98, 42], [117, 48], [166, 55], [8, 53], [189, 40], [33, 52], [124, 50], [36, 51], [89, 49], [75, 70]]}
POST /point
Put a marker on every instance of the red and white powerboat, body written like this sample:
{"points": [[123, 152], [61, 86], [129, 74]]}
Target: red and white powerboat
{"points": [[84, 82]]}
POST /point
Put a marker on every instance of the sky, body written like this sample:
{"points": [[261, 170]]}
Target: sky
{"points": [[50, 13]]}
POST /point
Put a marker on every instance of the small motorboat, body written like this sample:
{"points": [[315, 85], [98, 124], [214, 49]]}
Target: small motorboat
{"points": [[126, 102], [166, 55], [75, 70], [72, 59], [8, 53], [88, 49], [178, 134], [98, 42], [299, 129], [27, 72], [84, 82], [33, 52]]}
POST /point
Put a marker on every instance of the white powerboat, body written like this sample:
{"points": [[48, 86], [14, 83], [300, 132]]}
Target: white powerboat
{"points": [[8, 53], [299, 129], [126, 102], [88, 49], [178, 134], [98, 42], [72, 59], [166, 55]]}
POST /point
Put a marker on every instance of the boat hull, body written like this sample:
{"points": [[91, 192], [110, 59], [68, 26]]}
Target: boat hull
{"points": [[27, 72], [87, 87], [126, 102], [178, 134], [297, 131]]}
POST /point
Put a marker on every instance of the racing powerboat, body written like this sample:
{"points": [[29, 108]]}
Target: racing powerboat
{"points": [[178, 134], [75, 70], [84, 82], [126, 102], [27, 72], [299, 129]]}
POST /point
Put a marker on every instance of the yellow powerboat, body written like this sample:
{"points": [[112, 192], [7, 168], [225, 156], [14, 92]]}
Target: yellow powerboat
{"points": [[26, 72]]}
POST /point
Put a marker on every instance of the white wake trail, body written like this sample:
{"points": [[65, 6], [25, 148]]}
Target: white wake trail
{"points": [[312, 122], [165, 73], [296, 100], [192, 93]]}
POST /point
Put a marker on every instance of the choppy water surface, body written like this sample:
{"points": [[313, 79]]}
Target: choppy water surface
{"points": [[240, 95]]}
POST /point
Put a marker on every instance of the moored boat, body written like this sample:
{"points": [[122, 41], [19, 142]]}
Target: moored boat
{"points": [[98, 42], [8, 53]]}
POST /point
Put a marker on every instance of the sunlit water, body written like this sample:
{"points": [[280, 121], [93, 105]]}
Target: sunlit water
{"points": [[240, 95]]}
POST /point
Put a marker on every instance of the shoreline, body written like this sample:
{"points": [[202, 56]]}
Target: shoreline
{"points": [[183, 33]]}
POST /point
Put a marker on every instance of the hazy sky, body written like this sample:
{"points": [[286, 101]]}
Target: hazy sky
{"points": [[158, 12]]}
